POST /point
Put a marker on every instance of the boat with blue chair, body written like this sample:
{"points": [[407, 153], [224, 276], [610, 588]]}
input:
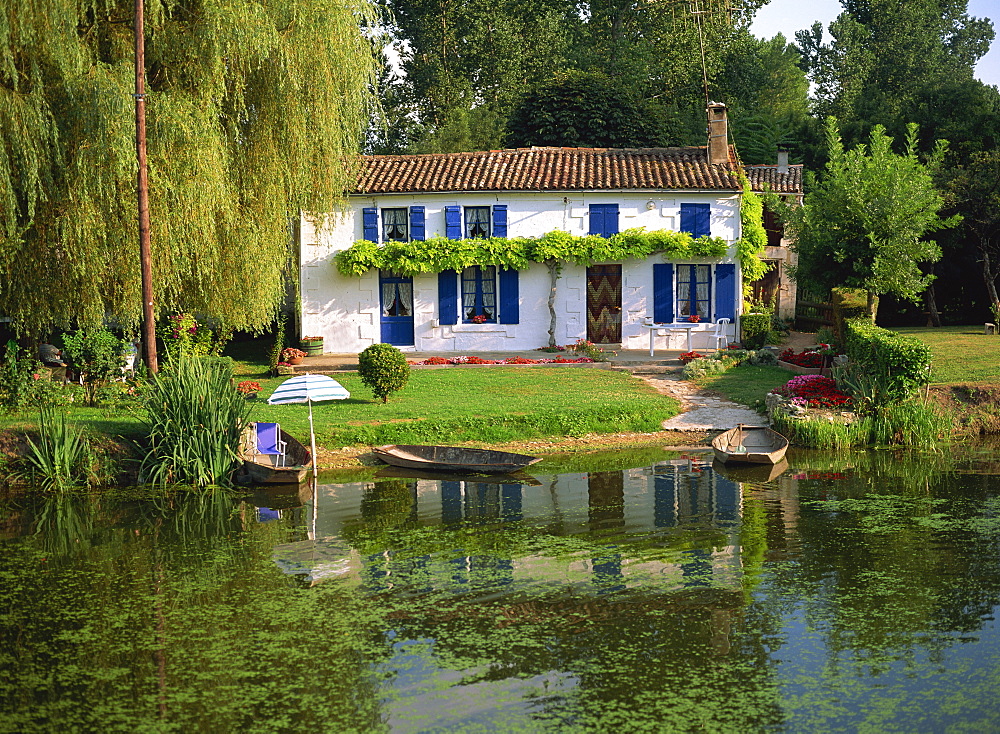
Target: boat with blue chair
{"points": [[271, 456]]}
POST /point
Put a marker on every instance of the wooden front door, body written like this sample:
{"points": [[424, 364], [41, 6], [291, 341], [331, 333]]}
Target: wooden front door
{"points": [[604, 304]]}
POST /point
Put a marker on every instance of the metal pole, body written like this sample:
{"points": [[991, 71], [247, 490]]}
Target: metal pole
{"points": [[148, 322]]}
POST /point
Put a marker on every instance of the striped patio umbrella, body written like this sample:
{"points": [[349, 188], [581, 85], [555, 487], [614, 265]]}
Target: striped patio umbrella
{"points": [[308, 389]]}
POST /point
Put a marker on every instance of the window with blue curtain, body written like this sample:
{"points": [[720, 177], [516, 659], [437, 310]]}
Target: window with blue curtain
{"points": [[479, 294], [694, 291], [394, 225]]}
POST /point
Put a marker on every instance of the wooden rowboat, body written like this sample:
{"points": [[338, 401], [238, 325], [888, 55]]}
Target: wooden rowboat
{"points": [[756, 473], [399, 472], [749, 445], [453, 459], [291, 467]]}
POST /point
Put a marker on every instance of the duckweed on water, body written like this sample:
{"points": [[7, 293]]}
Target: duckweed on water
{"points": [[659, 598]]}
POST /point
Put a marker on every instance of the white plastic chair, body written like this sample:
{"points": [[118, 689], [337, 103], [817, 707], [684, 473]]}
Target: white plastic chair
{"points": [[719, 335]]}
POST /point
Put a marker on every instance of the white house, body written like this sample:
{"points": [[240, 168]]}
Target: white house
{"points": [[527, 193]]}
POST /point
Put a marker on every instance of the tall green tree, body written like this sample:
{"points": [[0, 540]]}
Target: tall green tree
{"points": [[767, 93], [884, 58], [864, 223], [254, 110], [462, 65]]}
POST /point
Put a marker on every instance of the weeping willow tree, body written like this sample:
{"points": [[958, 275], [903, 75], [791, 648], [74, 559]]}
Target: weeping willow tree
{"points": [[255, 109]]}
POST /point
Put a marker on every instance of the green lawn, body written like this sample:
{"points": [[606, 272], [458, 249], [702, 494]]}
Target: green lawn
{"points": [[960, 353], [747, 383], [486, 404]]}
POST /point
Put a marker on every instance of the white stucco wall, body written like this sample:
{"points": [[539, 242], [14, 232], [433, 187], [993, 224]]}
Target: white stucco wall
{"points": [[346, 310]]}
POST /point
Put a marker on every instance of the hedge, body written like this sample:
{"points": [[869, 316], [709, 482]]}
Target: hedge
{"points": [[901, 364]]}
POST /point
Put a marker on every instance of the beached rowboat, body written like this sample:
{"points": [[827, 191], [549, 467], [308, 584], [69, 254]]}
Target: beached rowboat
{"points": [[749, 445], [453, 459], [271, 456]]}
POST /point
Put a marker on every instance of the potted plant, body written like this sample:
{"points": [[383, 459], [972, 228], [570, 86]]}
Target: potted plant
{"points": [[694, 318], [312, 345], [291, 355]]}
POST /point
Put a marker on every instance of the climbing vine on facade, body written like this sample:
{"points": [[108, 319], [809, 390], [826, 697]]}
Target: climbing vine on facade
{"points": [[437, 254]]}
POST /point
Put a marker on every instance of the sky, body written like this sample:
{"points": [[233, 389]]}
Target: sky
{"points": [[788, 16]]}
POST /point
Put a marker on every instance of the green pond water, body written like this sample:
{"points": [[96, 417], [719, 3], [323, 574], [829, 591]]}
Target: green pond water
{"points": [[642, 592]]}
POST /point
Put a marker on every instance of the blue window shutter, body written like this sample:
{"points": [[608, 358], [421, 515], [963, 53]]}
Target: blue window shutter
{"points": [[663, 293], [448, 297], [604, 219], [369, 224], [725, 291], [510, 309], [418, 231], [696, 219], [453, 222], [500, 221]]}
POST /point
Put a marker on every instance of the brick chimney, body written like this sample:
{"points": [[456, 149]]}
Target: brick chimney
{"points": [[718, 133]]}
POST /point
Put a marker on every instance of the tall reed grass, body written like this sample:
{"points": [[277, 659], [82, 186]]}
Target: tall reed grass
{"points": [[908, 423], [194, 418], [62, 455]]}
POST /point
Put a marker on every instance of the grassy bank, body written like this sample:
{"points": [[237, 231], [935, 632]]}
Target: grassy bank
{"points": [[960, 353], [746, 383], [487, 405]]}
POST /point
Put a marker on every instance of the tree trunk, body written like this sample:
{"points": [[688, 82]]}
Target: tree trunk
{"points": [[871, 305], [990, 279], [933, 317], [553, 267]]}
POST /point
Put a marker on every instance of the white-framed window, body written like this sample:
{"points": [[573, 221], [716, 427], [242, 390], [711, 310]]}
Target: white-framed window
{"points": [[395, 225], [479, 294], [694, 291], [477, 221]]}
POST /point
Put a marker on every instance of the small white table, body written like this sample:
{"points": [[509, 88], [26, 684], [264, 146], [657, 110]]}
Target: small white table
{"points": [[670, 328]]}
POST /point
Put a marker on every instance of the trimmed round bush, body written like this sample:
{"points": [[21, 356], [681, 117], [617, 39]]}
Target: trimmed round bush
{"points": [[384, 369]]}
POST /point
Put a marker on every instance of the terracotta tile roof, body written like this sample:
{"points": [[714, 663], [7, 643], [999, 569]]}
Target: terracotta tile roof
{"points": [[779, 183], [547, 169]]}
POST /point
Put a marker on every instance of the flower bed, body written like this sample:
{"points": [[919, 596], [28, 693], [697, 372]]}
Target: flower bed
{"points": [[465, 360], [815, 390], [691, 356], [808, 358]]}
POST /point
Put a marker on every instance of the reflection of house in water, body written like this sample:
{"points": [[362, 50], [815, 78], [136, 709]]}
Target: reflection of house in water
{"points": [[674, 522]]}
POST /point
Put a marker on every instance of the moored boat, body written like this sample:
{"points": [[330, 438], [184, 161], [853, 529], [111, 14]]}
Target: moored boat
{"points": [[400, 472], [750, 445], [453, 459], [750, 472], [271, 456]]}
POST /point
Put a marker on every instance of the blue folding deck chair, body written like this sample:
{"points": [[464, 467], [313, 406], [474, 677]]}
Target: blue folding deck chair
{"points": [[269, 442]]}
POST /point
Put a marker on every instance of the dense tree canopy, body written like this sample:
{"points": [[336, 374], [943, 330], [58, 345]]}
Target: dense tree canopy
{"points": [[888, 59], [465, 66], [254, 110]]}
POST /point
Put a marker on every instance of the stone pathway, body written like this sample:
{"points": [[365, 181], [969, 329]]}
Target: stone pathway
{"points": [[701, 411]]}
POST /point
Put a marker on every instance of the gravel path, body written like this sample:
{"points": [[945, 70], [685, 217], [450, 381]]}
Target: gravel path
{"points": [[702, 412]]}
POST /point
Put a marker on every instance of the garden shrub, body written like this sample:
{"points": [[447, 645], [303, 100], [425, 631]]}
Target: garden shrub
{"points": [[756, 327], [384, 369], [848, 304], [19, 373], [97, 355], [699, 368], [763, 358], [897, 364]]}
